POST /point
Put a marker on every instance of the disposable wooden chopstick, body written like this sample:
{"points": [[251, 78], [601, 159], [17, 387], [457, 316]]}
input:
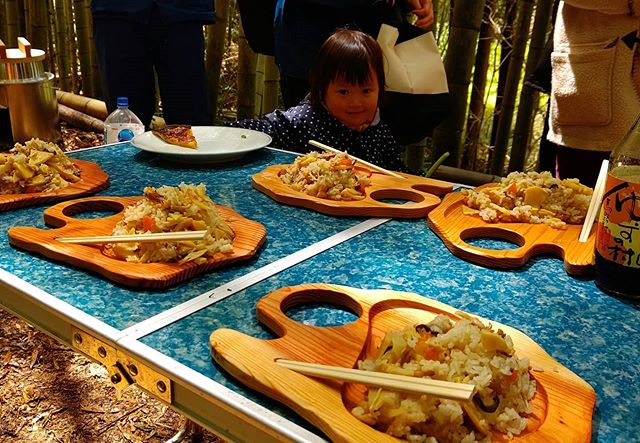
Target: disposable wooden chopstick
{"points": [[366, 163], [152, 237], [402, 383], [594, 205]]}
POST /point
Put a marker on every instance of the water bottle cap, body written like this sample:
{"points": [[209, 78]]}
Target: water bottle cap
{"points": [[123, 101]]}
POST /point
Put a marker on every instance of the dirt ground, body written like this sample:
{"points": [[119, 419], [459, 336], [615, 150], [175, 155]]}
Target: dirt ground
{"points": [[51, 394]]}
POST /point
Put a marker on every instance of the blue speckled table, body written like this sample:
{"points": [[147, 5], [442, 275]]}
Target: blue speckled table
{"points": [[594, 335]]}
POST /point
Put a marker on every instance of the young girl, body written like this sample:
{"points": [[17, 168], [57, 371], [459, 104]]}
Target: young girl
{"points": [[341, 110]]}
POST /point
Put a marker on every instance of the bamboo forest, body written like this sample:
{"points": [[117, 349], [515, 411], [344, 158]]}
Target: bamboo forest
{"points": [[489, 48]]}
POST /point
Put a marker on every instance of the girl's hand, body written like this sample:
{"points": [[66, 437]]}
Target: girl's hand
{"points": [[424, 10]]}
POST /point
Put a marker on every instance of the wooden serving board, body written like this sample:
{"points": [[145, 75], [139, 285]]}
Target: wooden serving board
{"points": [[249, 237], [562, 406], [418, 191], [92, 179], [454, 227]]}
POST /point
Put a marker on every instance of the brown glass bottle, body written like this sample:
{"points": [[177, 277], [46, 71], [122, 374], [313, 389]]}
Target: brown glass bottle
{"points": [[618, 229]]}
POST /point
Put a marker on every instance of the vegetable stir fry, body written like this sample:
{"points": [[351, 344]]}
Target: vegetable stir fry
{"points": [[37, 166], [326, 175]]}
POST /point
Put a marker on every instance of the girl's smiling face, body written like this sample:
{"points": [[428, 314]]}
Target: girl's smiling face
{"points": [[353, 105]]}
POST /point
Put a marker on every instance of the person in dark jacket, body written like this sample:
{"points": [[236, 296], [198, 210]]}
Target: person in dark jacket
{"points": [[301, 26], [342, 108], [135, 37]]}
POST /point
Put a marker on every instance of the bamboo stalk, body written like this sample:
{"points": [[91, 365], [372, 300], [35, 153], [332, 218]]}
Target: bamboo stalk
{"points": [[528, 96], [83, 28], [79, 119], [521, 29], [271, 85], [90, 106], [215, 43], [63, 44], [247, 60], [458, 63]]}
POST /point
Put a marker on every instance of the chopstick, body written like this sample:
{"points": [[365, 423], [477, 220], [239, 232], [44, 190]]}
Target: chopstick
{"points": [[402, 383], [366, 163], [594, 205], [153, 237]]}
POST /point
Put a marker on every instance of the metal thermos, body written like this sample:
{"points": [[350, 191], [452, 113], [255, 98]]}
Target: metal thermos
{"points": [[27, 93]]}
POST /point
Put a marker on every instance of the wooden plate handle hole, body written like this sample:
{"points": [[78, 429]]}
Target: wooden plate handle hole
{"points": [[93, 209], [492, 238], [327, 308], [396, 196]]}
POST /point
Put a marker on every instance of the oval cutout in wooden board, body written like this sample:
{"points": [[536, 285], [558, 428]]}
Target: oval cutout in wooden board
{"points": [[417, 191], [454, 227], [249, 236], [92, 179], [561, 408]]}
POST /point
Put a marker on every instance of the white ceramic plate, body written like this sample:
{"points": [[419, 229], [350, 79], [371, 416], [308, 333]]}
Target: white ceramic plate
{"points": [[215, 144]]}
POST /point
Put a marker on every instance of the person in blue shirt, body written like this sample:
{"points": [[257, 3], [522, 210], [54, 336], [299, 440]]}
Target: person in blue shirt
{"points": [[301, 26], [341, 110], [135, 37]]}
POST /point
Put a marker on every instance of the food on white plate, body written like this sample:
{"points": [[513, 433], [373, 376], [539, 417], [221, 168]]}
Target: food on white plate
{"points": [[531, 197], [326, 175], [36, 166], [465, 351], [170, 209], [179, 135]]}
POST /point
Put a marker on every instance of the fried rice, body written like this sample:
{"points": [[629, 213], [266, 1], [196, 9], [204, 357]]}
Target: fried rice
{"points": [[466, 351], [326, 175], [170, 209], [36, 166], [532, 197]]}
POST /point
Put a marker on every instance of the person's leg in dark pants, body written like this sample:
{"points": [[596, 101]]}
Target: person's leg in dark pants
{"points": [[126, 65], [581, 164], [293, 90], [179, 62], [547, 153]]}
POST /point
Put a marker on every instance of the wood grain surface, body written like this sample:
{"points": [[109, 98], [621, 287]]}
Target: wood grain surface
{"points": [[249, 236], [92, 179], [417, 191], [454, 227], [562, 406]]}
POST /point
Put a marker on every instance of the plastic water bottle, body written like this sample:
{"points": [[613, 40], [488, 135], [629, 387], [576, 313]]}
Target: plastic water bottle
{"points": [[122, 124]]}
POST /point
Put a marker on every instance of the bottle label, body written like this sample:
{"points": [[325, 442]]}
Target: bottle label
{"points": [[121, 132], [618, 230]]}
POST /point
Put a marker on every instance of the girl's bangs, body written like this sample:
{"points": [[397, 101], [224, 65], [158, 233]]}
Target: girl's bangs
{"points": [[354, 68]]}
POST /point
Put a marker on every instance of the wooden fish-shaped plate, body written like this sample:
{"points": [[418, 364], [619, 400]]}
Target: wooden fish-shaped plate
{"points": [[454, 227], [249, 236], [562, 406], [92, 179], [418, 191]]}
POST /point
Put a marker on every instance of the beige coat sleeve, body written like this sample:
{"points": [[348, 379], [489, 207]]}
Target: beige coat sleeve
{"points": [[628, 7]]}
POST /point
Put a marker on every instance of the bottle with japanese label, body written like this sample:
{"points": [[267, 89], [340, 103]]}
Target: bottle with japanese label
{"points": [[618, 229], [122, 124]]}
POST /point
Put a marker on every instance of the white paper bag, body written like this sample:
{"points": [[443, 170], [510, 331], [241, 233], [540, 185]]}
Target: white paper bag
{"points": [[413, 66]]}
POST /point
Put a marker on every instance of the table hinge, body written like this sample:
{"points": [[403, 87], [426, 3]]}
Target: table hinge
{"points": [[123, 369]]}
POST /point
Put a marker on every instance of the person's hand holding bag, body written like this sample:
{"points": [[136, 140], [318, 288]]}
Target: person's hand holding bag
{"points": [[424, 10], [416, 97]]}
